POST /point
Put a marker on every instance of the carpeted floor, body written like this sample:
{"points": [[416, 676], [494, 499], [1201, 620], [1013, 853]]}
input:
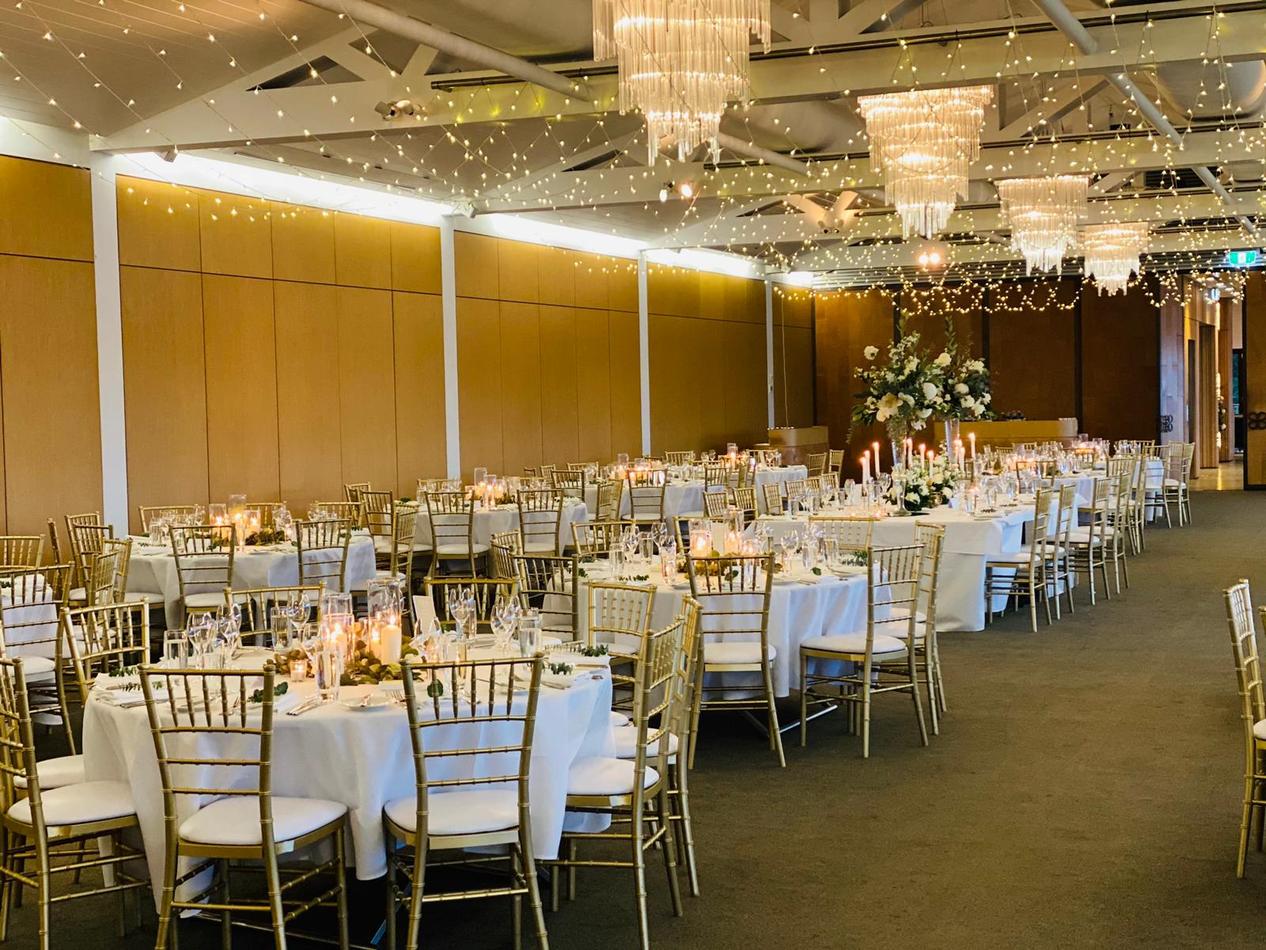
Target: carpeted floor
{"points": [[1083, 793]]}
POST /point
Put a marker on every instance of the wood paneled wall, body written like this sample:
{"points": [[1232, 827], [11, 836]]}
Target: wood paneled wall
{"points": [[707, 359], [548, 364], [845, 323], [274, 349], [1120, 365], [793, 358], [50, 420], [1254, 395], [1033, 348]]}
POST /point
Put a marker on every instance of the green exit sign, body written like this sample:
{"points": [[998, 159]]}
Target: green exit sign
{"points": [[1247, 258]]}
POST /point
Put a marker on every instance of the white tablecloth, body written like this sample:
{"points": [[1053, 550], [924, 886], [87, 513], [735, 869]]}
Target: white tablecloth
{"points": [[800, 607], [153, 569], [685, 497], [362, 758], [506, 518]]}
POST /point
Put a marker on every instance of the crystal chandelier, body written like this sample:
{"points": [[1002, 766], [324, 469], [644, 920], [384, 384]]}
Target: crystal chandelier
{"points": [[1043, 214], [680, 61], [1112, 253], [924, 141]]}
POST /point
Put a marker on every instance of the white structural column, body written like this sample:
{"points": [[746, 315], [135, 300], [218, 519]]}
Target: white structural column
{"points": [[105, 269], [448, 303], [769, 348], [644, 351]]}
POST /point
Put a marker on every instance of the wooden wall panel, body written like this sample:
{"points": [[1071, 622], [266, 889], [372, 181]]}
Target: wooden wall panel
{"points": [[592, 284], [46, 209], [1033, 348], [164, 388], [560, 396], [621, 285], [479, 384], [593, 385], [687, 401], [626, 383], [925, 311], [476, 265], [362, 251], [52, 420], [1254, 395], [158, 224], [367, 399], [421, 440], [793, 376], [235, 234], [1120, 376], [303, 243], [746, 395], [241, 387], [845, 323], [520, 386], [308, 418], [518, 269], [415, 258]]}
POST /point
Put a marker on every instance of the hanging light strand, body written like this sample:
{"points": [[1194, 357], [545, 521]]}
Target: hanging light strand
{"points": [[1043, 215], [923, 142], [1112, 253]]}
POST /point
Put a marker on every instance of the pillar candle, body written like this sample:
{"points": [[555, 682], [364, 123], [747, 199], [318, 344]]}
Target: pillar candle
{"points": [[389, 638], [875, 458], [971, 437], [866, 467]]}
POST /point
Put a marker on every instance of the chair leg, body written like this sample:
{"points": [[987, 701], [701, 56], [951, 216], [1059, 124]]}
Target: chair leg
{"points": [[44, 899], [775, 734], [340, 865], [918, 699], [1246, 819], [226, 895], [415, 895], [930, 683], [804, 700], [670, 851], [167, 922], [389, 938], [533, 885], [6, 883], [696, 711], [272, 877], [866, 718], [681, 776], [637, 831]]}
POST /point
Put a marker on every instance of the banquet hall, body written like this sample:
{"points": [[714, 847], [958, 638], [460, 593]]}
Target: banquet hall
{"points": [[632, 473]]}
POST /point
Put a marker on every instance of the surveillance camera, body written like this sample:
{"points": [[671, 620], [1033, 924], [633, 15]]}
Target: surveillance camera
{"points": [[394, 110]]}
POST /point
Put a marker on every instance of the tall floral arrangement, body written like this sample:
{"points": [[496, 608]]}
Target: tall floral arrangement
{"points": [[925, 484], [967, 394], [903, 391]]}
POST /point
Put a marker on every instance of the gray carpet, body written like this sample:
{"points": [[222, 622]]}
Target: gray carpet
{"points": [[1083, 792]]}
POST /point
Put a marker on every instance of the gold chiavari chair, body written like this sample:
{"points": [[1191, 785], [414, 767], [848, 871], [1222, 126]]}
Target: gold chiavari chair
{"points": [[1176, 480], [503, 548], [183, 512], [927, 645], [451, 810], [487, 590], [322, 553], [258, 603], [571, 483], [646, 497], [54, 542], [595, 538], [1023, 573], [102, 640], [21, 550], [541, 520], [53, 832], [771, 495], [744, 499], [30, 615], [715, 503], [633, 790], [816, 463], [214, 752], [101, 573], [1061, 573], [835, 460], [86, 541], [204, 564], [1248, 674], [549, 583], [734, 594], [679, 458], [531, 471], [797, 490], [848, 534], [1134, 501], [403, 529], [1088, 544], [452, 516], [349, 511], [122, 549], [610, 500], [352, 490], [715, 475], [619, 616], [425, 485], [1120, 488], [882, 656], [376, 514]]}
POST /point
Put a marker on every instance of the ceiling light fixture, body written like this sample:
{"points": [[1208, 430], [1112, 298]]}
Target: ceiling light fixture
{"points": [[1043, 215], [1112, 253]]}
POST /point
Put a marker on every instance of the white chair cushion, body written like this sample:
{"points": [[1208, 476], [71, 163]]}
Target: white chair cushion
{"points": [[204, 601], [1083, 535], [78, 593], [736, 652], [133, 596], [460, 550], [539, 546], [1008, 557], [37, 669], [626, 743], [79, 804], [1259, 730], [619, 719], [56, 773], [1172, 483], [475, 811], [382, 545], [599, 775], [235, 821], [855, 644]]}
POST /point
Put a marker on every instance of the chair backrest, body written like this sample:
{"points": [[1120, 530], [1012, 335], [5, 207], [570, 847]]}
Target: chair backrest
{"points": [[1248, 669], [322, 553], [1098, 512], [183, 513], [835, 460], [487, 591], [258, 603], [679, 458], [549, 584], [690, 656], [715, 503], [204, 557], [744, 499], [21, 550], [474, 699], [850, 534], [796, 490], [619, 615], [404, 527], [714, 473], [610, 499], [207, 739], [54, 542], [733, 594], [655, 704], [646, 497], [595, 538], [122, 550], [932, 537], [349, 511], [893, 580], [503, 547], [102, 640], [352, 490], [30, 610], [99, 577], [19, 776], [85, 541], [816, 463], [540, 520], [377, 508], [571, 483], [452, 516], [771, 493]]}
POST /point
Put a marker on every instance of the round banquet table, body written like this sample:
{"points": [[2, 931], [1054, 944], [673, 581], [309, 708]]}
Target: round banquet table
{"points": [[684, 496], [490, 521], [801, 605], [360, 757], [152, 569], [969, 540]]}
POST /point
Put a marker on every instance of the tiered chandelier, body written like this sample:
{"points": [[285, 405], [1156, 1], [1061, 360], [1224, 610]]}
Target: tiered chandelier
{"points": [[680, 61], [1112, 253], [924, 141], [1043, 215]]}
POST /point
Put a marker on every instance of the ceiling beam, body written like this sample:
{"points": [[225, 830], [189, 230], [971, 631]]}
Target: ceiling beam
{"points": [[872, 62], [1052, 107]]}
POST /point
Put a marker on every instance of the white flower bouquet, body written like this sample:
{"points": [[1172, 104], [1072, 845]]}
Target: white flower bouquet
{"points": [[903, 391]]}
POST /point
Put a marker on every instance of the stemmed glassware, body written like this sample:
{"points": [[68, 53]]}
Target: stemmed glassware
{"points": [[505, 620]]}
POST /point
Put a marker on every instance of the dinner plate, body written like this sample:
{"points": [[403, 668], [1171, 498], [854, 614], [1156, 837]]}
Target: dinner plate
{"points": [[374, 700]]}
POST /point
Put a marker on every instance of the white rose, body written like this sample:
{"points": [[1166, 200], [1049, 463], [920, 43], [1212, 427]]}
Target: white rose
{"points": [[976, 366], [930, 391], [907, 399], [912, 364], [924, 413], [986, 398], [943, 359], [888, 405], [979, 408], [967, 402], [870, 352], [960, 388]]}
